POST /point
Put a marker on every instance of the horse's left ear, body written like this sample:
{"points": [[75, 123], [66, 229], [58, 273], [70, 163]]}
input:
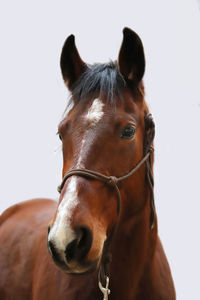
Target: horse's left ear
{"points": [[131, 59], [71, 63]]}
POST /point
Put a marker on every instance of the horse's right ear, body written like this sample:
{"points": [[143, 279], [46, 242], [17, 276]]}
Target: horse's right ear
{"points": [[71, 63], [131, 58]]}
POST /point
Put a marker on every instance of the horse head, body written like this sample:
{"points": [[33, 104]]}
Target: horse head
{"points": [[107, 130]]}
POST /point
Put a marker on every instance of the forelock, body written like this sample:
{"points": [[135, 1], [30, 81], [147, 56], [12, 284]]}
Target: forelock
{"points": [[99, 80]]}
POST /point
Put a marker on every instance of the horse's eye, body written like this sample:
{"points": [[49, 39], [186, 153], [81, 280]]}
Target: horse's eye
{"points": [[127, 132], [60, 137]]}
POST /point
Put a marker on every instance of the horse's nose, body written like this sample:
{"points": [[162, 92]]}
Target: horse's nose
{"points": [[78, 248]]}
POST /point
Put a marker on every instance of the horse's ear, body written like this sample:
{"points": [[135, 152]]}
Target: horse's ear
{"points": [[131, 59], [71, 63]]}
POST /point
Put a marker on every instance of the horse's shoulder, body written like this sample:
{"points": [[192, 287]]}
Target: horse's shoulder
{"points": [[163, 274], [33, 205]]}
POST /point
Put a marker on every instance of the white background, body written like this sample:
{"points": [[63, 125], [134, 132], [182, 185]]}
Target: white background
{"points": [[33, 98]]}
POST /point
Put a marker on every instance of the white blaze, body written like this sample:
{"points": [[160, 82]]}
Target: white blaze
{"points": [[61, 233], [81, 152], [95, 112], [94, 115]]}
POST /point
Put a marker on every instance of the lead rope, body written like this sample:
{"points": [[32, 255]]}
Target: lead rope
{"points": [[103, 275]]}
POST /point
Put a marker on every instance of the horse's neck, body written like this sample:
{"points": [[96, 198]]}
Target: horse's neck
{"points": [[132, 252]]}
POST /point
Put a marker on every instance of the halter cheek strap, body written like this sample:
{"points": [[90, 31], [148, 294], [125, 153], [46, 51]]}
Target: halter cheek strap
{"points": [[148, 140]]}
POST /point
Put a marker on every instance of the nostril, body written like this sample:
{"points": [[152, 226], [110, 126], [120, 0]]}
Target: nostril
{"points": [[79, 247], [52, 248], [70, 250], [55, 255], [85, 240]]}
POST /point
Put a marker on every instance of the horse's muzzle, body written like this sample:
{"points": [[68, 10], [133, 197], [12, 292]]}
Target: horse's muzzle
{"points": [[73, 259]]}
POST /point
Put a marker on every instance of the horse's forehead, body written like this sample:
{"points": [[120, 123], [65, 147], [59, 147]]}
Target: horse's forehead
{"points": [[95, 107], [96, 110]]}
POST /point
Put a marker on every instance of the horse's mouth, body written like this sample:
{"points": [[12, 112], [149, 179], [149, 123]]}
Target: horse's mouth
{"points": [[82, 269], [76, 268]]}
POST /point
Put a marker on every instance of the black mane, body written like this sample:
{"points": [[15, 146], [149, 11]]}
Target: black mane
{"points": [[99, 80]]}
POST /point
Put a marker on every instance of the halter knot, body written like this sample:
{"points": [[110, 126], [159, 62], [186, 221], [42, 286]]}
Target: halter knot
{"points": [[112, 180]]}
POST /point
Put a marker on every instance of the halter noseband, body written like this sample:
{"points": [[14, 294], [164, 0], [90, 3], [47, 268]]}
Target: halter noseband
{"points": [[110, 180], [103, 275]]}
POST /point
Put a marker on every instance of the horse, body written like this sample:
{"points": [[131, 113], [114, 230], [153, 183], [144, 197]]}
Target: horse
{"points": [[100, 241]]}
